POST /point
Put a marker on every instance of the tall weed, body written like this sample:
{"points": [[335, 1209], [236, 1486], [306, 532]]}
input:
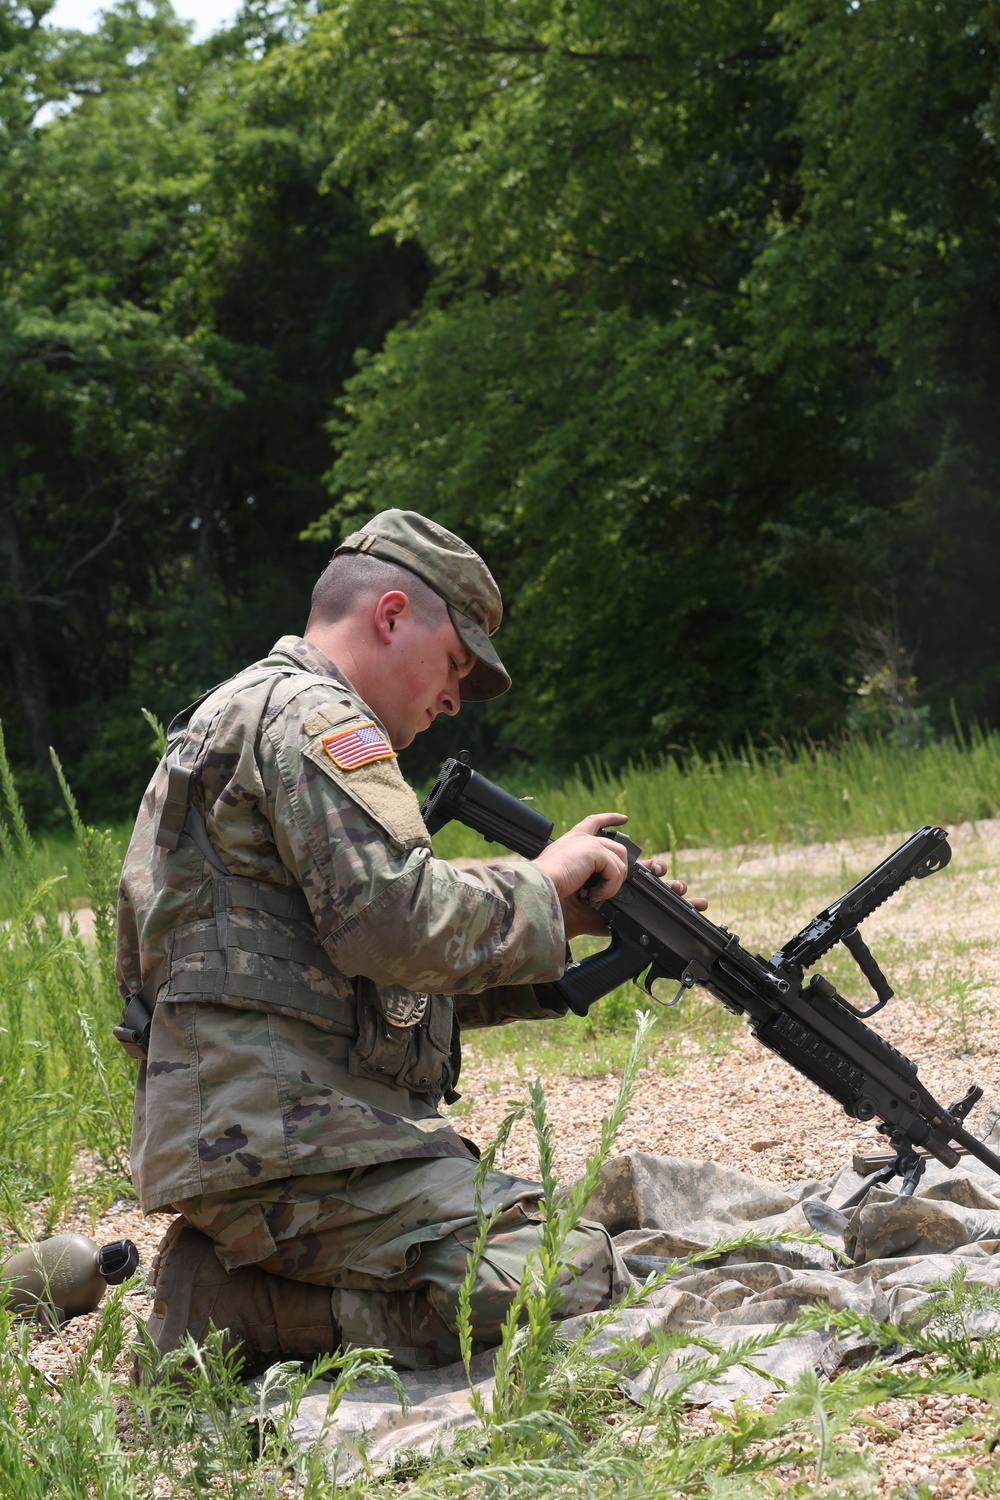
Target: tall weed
{"points": [[89, 1437], [67, 1085]]}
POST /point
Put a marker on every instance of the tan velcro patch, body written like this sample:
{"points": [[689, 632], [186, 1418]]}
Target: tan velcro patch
{"points": [[374, 781], [330, 717], [379, 790], [379, 787]]}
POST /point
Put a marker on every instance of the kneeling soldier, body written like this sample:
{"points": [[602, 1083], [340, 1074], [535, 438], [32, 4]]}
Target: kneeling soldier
{"points": [[297, 968]]}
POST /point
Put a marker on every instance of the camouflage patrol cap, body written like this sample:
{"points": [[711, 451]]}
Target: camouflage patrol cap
{"points": [[452, 569]]}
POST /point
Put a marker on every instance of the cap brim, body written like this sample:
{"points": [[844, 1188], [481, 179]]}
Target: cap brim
{"points": [[489, 677]]}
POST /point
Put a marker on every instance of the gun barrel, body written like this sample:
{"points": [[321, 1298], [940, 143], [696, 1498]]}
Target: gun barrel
{"points": [[977, 1148]]}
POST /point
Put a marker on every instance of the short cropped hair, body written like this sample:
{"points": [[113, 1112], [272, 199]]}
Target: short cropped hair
{"points": [[353, 580]]}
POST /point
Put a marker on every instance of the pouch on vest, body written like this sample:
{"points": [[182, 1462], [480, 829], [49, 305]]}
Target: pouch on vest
{"points": [[406, 1039], [133, 1029]]}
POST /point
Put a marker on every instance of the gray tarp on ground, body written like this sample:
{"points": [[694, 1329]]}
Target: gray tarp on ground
{"points": [[669, 1206]]}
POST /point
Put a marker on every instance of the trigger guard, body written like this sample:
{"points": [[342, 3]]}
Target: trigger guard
{"points": [[646, 985], [695, 973]]}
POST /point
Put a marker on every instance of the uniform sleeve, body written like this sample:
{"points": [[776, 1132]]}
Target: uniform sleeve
{"points": [[385, 908], [521, 1002]]}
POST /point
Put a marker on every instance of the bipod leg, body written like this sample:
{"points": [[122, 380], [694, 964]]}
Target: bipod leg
{"points": [[913, 1169], [879, 1179]]}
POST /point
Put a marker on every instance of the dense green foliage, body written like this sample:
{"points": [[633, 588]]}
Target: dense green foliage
{"points": [[686, 314], [710, 367], [179, 303]]}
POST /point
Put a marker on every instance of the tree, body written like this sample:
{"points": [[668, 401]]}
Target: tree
{"points": [[711, 339], [92, 394], [181, 300], [685, 313]]}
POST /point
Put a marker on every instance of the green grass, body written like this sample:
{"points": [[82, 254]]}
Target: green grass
{"points": [[67, 1084], [786, 794], [735, 797], [58, 857]]}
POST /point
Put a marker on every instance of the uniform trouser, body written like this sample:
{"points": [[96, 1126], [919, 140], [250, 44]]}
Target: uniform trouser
{"points": [[392, 1243]]}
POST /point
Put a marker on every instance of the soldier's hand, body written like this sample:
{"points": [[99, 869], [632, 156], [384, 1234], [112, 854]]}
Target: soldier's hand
{"points": [[658, 865], [570, 862]]}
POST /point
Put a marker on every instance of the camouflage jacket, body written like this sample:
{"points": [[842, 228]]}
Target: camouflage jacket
{"points": [[310, 960]]}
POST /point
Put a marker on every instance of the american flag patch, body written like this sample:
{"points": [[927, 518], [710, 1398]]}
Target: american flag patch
{"points": [[356, 747]]}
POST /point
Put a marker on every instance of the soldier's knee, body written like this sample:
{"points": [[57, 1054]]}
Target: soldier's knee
{"points": [[405, 1324], [419, 1325], [594, 1275]]}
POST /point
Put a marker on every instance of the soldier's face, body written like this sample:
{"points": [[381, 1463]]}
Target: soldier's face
{"points": [[424, 666]]}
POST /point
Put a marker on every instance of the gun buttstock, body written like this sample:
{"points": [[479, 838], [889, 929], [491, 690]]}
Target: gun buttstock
{"points": [[460, 793]]}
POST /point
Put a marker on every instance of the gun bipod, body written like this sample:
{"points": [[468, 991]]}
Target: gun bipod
{"points": [[907, 1164]]}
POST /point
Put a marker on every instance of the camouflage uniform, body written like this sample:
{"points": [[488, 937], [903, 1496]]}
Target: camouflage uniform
{"points": [[307, 964]]}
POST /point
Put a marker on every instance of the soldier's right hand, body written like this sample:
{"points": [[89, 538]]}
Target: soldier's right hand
{"points": [[570, 862]]}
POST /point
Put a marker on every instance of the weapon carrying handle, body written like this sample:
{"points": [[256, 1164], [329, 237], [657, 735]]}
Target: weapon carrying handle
{"points": [[862, 955], [925, 852]]}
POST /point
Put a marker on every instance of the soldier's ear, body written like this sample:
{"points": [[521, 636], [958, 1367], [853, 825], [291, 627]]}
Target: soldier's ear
{"points": [[387, 611]]}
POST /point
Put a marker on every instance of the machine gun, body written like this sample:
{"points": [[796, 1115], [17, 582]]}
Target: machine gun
{"points": [[657, 936]]}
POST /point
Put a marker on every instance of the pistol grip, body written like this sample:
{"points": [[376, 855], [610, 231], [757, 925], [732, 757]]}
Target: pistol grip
{"points": [[588, 979]]}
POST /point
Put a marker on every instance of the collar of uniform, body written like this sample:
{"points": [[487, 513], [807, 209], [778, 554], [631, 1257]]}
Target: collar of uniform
{"points": [[304, 654]]}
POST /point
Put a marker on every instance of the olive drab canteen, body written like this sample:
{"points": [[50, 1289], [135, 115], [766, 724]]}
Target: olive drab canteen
{"points": [[65, 1276]]}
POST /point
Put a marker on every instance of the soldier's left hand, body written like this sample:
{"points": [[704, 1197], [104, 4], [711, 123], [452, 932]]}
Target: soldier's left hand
{"points": [[657, 865]]}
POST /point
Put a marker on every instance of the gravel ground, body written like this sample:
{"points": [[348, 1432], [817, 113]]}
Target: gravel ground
{"points": [[746, 1107]]}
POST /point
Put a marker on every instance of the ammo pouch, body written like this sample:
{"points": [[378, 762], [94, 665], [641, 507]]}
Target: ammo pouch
{"points": [[406, 1039]]}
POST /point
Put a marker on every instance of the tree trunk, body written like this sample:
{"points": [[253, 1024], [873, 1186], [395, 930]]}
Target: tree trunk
{"points": [[204, 597], [19, 634]]}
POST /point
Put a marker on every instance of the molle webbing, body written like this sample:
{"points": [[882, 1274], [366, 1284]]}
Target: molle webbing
{"points": [[217, 980], [256, 940], [173, 814], [254, 895], [219, 977]]}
